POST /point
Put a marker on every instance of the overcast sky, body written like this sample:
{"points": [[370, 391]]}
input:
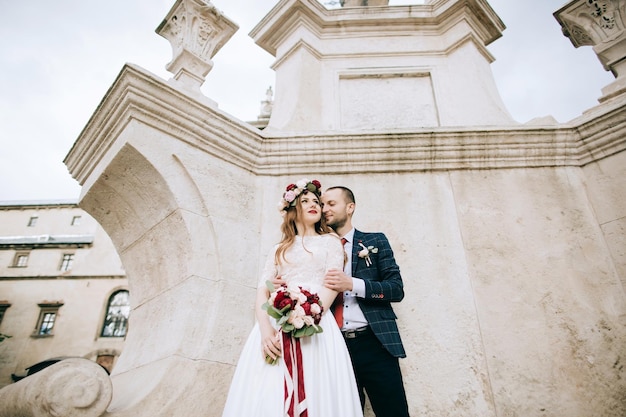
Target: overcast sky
{"points": [[58, 58]]}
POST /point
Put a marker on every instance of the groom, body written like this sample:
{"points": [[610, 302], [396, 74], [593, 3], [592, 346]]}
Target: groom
{"points": [[369, 284]]}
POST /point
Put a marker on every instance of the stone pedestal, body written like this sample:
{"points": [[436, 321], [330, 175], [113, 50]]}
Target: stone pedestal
{"points": [[382, 68]]}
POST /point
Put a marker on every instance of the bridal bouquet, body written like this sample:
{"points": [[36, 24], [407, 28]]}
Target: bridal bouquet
{"points": [[297, 311]]}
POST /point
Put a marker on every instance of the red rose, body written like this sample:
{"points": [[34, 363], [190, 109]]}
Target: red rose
{"points": [[317, 184], [280, 296], [312, 298], [307, 308], [291, 187], [284, 303]]}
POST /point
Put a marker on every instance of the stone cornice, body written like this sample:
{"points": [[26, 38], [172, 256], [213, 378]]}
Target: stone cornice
{"points": [[287, 15], [330, 56], [46, 241], [37, 204], [591, 137], [601, 132], [434, 150], [138, 95], [58, 277]]}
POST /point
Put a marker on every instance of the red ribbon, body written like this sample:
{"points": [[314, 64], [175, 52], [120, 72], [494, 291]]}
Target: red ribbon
{"points": [[295, 396]]}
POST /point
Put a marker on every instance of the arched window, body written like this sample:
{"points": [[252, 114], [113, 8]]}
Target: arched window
{"points": [[116, 319]]}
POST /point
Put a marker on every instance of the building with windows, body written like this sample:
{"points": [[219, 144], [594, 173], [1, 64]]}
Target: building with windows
{"points": [[63, 291]]}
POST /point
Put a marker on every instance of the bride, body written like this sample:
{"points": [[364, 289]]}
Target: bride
{"points": [[317, 379]]}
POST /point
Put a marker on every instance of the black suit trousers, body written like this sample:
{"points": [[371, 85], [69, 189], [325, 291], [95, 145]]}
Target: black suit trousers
{"points": [[378, 375]]}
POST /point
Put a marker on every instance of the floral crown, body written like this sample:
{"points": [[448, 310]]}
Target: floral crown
{"points": [[294, 190]]}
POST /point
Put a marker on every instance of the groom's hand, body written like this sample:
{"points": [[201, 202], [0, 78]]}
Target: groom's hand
{"points": [[337, 280]]}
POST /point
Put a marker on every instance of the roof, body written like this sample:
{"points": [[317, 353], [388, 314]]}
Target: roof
{"points": [[37, 203], [46, 240]]}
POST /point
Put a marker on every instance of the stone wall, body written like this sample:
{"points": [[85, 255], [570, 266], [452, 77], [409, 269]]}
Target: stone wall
{"points": [[509, 237], [505, 237]]}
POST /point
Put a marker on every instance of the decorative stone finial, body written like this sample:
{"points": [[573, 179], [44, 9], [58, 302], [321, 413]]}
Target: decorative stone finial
{"points": [[266, 105], [600, 24], [197, 31], [263, 118]]}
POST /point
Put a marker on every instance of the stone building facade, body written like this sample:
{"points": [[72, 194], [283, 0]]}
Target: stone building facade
{"points": [[63, 290]]}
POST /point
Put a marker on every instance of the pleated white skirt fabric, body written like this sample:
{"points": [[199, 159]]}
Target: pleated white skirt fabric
{"points": [[257, 388]]}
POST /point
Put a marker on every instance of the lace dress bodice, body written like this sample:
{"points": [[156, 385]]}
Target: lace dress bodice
{"points": [[307, 261]]}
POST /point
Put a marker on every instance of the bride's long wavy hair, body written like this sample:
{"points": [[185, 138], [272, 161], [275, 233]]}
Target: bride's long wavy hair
{"points": [[290, 231]]}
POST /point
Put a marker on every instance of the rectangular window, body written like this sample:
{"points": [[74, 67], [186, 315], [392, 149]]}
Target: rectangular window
{"points": [[20, 260], [47, 323], [66, 262], [75, 220], [47, 319], [3, 308], [32, 222]]}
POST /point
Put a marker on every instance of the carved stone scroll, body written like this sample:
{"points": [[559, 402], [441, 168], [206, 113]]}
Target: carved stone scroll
{"points": [[73, 387]]}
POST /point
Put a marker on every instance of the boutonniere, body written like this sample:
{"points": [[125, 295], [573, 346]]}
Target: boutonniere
{"points": [[365, 253]]}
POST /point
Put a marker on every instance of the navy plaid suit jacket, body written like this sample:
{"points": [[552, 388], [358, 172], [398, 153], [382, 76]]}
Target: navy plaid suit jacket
{"points": [[383, 285]]}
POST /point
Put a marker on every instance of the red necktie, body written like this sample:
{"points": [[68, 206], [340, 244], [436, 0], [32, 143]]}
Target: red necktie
{"points": [[338, 310]]}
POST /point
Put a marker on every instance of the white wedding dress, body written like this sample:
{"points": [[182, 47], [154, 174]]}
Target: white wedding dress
{"points": [[257, 389]]}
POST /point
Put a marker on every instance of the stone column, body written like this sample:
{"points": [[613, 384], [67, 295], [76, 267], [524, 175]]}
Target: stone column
{"points": [[70, 388], [600, 24]]}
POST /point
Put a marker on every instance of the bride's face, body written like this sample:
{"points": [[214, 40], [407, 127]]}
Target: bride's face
{"points": [[311, 209]]}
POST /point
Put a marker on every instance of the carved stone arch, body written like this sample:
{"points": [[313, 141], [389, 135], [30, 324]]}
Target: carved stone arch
{"points": [[158, 220]]}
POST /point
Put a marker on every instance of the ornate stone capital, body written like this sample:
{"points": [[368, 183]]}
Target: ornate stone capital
{"points": [[592, 22], [600, 24], [197, 30]]}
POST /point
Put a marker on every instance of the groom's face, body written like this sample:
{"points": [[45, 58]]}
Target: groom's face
{"points": [[335, 208]]}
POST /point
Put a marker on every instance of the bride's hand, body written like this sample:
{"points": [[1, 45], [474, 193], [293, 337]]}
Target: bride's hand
{"points": [[278, 281], [270, 344]]}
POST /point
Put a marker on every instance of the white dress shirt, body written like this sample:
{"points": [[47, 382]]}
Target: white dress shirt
{"points": [[353, 317]]}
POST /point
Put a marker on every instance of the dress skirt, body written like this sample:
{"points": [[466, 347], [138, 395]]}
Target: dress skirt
{"points": [[257, 388]]}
